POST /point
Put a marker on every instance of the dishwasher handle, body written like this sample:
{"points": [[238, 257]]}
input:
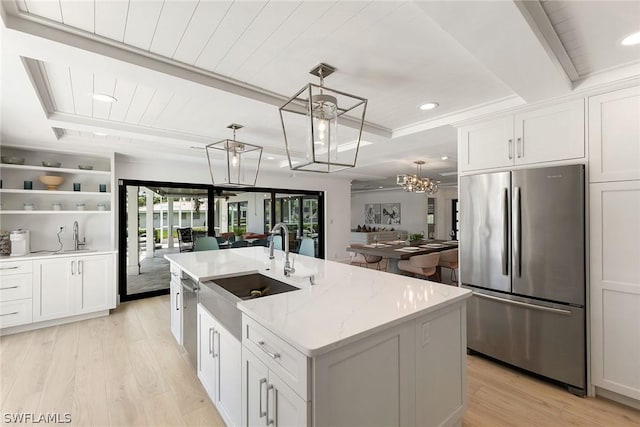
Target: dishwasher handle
{"points": [[190, 285]]}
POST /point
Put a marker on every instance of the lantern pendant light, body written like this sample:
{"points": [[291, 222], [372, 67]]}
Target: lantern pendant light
{"points": [[234, 163]]}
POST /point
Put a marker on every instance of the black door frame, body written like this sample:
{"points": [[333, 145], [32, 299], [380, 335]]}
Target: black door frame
{"points": [[122, 232]]}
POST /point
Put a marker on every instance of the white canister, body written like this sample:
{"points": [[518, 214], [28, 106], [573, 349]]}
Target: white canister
{"points": [[20, 242], [80, 206], [57, 206]]}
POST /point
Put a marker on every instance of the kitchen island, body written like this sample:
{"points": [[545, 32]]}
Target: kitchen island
{"points": [[358, 347]]}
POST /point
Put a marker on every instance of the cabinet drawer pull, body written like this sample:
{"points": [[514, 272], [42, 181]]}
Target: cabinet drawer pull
{"points": [[261, 412], [10, 268], [264, 348], [9, 287], [269, 388], [10, 314]]}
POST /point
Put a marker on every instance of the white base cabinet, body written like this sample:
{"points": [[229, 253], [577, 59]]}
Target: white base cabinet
{"points": [[219, 360], [16, 290], [413, 374], [175, 290], [67, 286], [615, 286], [267, 399]]}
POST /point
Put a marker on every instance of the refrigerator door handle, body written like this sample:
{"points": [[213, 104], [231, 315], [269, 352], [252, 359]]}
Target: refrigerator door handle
{"points": [[525, 305], [505, 232], [517, 233]]}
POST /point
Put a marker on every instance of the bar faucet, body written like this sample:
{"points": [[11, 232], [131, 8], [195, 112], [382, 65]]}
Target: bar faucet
{"points": [[288, 268], [76, 237]]}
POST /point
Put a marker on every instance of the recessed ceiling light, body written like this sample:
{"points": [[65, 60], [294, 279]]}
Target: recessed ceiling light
{"points": [[445, 157], [103, 97], [429, 106], [632, 39], [100, 134], [381, 186], [271, 158]]}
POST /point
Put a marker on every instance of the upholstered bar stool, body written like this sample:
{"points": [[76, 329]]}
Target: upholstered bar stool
{"points": [[421, 265]]}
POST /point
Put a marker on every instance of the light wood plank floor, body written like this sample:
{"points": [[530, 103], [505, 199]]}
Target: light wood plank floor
{"points": [[126, 370]]}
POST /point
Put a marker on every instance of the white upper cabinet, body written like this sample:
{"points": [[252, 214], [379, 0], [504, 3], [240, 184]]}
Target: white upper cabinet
{"points": [[486, 145], [550, 134], [547, 134], [614, 136]]}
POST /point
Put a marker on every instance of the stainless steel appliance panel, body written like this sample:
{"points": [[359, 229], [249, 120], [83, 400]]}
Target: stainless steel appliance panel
{"points": [[485, 230], [548, 233], [547, 339], [190, 319]]}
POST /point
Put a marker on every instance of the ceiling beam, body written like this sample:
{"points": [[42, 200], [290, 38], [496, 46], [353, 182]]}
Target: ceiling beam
{"points": [[501, 38], [29, 25]]}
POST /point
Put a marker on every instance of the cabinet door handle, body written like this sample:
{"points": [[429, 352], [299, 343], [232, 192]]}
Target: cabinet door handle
{"points": [[261, 412], [510, 149], [73, 270], [264, 348], [8, 287], [210, 341], [214, 344], [10, 268], [520, 147], [80, 264], [269, 421], [9, 314], [177, 301]]}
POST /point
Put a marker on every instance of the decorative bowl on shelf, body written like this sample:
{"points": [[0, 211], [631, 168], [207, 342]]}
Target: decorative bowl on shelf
{"points": [[85, 167], [51, 164], [12, 160], [52, 182]]}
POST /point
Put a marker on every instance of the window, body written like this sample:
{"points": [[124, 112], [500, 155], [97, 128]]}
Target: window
{"points": [[237, 217]]}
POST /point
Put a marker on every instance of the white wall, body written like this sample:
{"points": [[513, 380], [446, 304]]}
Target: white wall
{"points": [[336, 188], [413, 209]]}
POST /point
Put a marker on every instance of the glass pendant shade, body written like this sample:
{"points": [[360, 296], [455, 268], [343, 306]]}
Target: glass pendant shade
{"points": [[310, 122], [417, 184], [234, 163]]}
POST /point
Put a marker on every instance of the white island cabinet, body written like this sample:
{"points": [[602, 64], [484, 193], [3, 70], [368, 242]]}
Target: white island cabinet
{"points": [[360, 347]]}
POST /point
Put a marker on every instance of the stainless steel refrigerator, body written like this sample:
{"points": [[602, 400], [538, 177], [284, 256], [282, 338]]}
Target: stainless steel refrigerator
{"points": [[522, 253]]}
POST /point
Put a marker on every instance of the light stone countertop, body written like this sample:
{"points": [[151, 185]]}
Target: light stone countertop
{"points": [[346, 304], [54, 254]]}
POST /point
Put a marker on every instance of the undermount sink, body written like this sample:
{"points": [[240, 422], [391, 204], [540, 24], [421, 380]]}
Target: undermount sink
{"points": [[253, 286]]}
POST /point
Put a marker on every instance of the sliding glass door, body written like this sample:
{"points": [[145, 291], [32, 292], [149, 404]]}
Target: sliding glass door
{"points": [[151, 216]]}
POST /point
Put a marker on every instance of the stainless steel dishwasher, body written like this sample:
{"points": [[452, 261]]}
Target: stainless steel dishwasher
{"points": [[190, 291]]}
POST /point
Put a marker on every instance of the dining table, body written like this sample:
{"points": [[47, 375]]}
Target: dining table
{"points": [[396, 250]]}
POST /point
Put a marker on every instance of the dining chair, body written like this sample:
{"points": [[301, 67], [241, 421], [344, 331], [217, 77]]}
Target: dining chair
{"points": [[185, 239], [240, 244], [260, 242], [449, 259], [307, 247], [277, 242], [363, 260], [421, 265], [206, 244]]}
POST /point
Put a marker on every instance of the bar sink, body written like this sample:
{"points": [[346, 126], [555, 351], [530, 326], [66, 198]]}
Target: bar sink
{"points": [[253, 286]]}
